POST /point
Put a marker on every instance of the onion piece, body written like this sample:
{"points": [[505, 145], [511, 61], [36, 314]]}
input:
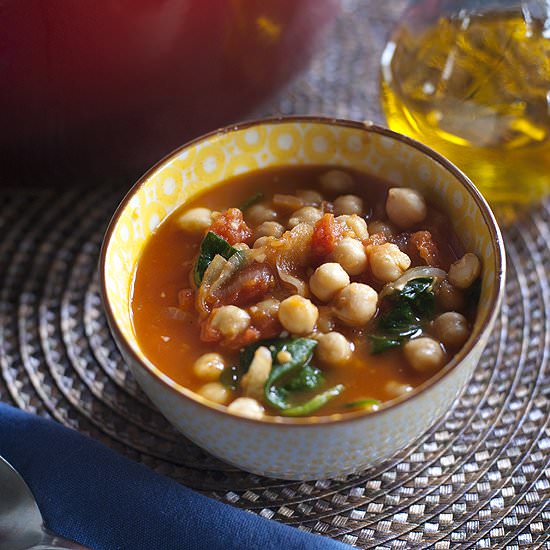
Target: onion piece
{"points": [[220, 272], [290, 254], [233, 264], [178, 314], [414, 273], [291, 280], [209, 278], [287, 202]]}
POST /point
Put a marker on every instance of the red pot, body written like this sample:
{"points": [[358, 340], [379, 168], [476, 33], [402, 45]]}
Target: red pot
{"points": [[119, 83]]}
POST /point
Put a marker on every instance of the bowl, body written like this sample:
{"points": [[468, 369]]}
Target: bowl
{"points": [[315, 447]]}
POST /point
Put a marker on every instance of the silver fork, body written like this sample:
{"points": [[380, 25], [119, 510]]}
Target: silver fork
{"points": [[21, 523]]}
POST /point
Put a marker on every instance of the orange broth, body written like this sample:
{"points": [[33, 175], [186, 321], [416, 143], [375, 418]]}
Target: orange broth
{"points": [[168, 258]]}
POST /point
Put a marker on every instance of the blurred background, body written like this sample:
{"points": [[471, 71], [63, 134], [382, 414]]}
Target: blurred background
{"points": [[103, 90], [114, 86]]}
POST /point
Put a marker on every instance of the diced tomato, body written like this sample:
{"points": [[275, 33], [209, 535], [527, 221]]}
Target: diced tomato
{"points": [[376, 239], [248, 285], [208, 333], [422, 244], [326, 234], [186, 299], [248, 336], [267, 324], [245, 338], [231, 226]]}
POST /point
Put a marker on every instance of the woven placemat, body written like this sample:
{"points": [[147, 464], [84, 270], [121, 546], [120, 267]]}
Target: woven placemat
{"points": [[478, 478]]}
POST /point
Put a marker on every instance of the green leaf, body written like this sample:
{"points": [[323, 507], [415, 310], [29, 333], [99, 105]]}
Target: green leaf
{"points": [[362, 403], [211, 245], [231, 376], [314, 403], [295, 375], [301, 351], [251, 201], [380, 344], [415, 287], [404, 312], [399, 320], [420, 296], [309, 378]]}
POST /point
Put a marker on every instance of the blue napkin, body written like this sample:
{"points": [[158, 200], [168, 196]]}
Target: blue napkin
{"points": [[88, 493]]}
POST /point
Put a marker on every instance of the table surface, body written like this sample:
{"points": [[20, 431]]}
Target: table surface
{"points": [[478, 478]]}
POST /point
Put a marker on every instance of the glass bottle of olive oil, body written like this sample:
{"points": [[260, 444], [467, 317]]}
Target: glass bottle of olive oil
{"points": [[472, 80]]}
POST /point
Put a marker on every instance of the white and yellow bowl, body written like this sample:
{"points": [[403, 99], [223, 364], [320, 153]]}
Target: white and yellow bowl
{"points": [[299, 448]]}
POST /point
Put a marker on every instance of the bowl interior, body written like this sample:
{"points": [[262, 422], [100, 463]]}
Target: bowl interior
{"points": [[210, 160]]}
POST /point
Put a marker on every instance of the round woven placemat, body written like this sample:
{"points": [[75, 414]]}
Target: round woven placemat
{"points": [[479, 477]]}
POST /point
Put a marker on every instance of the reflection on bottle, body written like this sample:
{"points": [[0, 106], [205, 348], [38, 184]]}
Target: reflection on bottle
{"points": [[474, 84]]}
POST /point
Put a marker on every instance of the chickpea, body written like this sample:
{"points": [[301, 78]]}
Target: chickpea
{"points": [[337, 181], [355, 305], [284, 356], [310, 196], [306, 214], [348, 204], [209, 366], [405, 207], [350, 254], [216, 392], [424, 354], [196, 220], [246, 406], [452, 329], [381, 227], [327, 280], [465, 271], [333, 348], [259, 213], [269, 229], [229, 320], [387, 262], [270, 307], [355, 224], [254, 380], [298, 315], [448, 297]]}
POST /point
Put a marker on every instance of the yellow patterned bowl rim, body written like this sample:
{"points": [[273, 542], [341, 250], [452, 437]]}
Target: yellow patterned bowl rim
{"points": [[495, 298]]}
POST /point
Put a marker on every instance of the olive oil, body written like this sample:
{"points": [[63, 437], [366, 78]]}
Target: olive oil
{"points": [[476, 89]]}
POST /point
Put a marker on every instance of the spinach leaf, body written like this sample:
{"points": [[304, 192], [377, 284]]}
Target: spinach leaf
{"points": [[231, 377], [309, 378], [211, 245], [400, 320], [297, 372], [314, 403], [419, 294], [380, 344], [368, 402], [404, 312], [301, 350], [251, 201]]}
